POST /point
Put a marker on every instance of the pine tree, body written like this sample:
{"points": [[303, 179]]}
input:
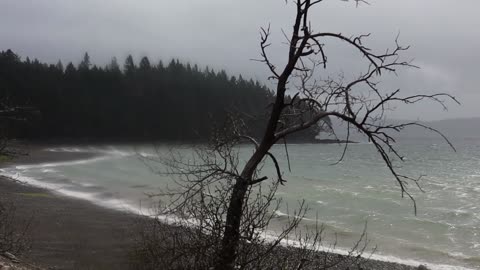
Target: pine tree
{"points": [[59, 66], [145, 64], [129, 66], [113, 66], [85, 64], [70, 69]]}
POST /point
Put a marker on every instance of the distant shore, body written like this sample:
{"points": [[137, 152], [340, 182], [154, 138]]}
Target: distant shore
{"points": [[323, 141], [36, 144], [71, 233]]}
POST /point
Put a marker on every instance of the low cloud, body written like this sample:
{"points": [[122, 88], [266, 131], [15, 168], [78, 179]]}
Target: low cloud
{"points": [[224, 35]]}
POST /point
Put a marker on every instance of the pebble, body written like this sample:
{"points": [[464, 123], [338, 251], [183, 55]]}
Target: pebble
{"points": [[4, 266], [11, 257]]}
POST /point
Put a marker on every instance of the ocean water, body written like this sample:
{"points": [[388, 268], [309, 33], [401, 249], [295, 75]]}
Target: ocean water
{"points": [[359, 191]]}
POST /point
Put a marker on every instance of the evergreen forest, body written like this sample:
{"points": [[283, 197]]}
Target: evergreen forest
{"points": [[142, 101]]}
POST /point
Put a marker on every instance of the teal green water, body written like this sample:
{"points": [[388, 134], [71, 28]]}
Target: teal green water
{"points": [[445, 233]]}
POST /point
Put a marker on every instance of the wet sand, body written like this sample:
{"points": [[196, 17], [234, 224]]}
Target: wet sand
{"points": [[70, 233]]}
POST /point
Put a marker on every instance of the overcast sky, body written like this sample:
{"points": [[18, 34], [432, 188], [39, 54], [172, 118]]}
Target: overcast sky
{"points": [[224, 34]]}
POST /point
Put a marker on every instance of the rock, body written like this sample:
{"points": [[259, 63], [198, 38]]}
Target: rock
{"points": [[4, 266], [422, 267], [11, 257]]}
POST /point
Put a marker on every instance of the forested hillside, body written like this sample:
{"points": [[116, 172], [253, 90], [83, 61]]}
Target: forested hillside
{"points": [[144, 101]]}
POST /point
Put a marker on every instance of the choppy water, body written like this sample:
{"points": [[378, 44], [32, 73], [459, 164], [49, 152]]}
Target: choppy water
{"points": [[445, 233]]}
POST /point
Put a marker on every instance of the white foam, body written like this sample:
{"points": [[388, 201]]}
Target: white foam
{"points": [[29, 180], [66, 149], [115, 152], [271, 236], [279, 213], [16, 172], [417, 263], [115, 204], [48, 171], [57, 164], [112, 151], [87, 185], [337, 190], [147, 155]]}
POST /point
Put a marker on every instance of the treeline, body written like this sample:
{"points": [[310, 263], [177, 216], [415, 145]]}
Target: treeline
{"points": [[144, 101]]}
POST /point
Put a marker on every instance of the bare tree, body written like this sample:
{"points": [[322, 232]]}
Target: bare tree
{"points": [[325, 98], [14, 232], [225, 194], [196, 210]]}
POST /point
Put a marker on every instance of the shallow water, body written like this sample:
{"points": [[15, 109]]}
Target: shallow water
{"points": [[445, 233]]}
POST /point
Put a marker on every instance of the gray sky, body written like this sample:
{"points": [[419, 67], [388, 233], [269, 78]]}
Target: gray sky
{"points": [[224, 34]]}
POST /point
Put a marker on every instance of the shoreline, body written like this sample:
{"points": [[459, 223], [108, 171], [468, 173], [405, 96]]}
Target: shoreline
{"points": [[87, 221], [69, 233]]}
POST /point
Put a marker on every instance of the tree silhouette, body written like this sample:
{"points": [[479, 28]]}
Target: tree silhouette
{"points": [[129, 66], [176, 102], [85, 64]]}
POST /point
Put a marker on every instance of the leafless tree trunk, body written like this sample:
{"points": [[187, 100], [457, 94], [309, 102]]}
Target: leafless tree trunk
{"points": [[222, 200], [320, 99]]}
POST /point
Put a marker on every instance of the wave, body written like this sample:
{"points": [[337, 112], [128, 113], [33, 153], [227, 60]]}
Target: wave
{"points": [[125, 206], [272, 236], [112, 152], [113, 203], [280, 215], [415, 263], [18, 172], [146, 155], [454, 255], [70, 188], [337, 190], [109, 150], [66, 149], [58, 164]]}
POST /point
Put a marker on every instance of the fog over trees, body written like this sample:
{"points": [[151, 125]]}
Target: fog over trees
{"points": [[131, 101]]}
